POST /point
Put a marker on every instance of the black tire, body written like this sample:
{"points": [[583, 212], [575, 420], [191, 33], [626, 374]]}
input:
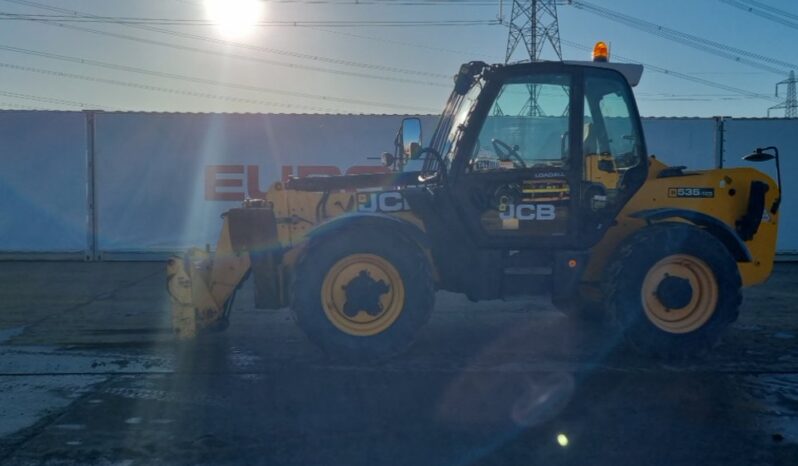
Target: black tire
{"points": [[323, 253], [625, 280]]}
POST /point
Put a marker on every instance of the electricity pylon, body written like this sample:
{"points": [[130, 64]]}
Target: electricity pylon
{"points": [[790, 105]]}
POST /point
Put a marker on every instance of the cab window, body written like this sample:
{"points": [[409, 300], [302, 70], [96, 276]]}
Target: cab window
{"points": [[609, 129], [611, 142], [527, 125]]}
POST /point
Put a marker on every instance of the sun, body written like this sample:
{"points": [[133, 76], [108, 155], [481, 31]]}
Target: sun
{"points": [[234, 18]]}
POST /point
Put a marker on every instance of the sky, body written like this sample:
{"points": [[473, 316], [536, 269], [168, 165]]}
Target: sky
{"points": [[392, 68]]}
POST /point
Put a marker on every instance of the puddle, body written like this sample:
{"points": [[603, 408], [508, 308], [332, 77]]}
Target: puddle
{"points": [[779, 396], [243, 359], [27, 399]]}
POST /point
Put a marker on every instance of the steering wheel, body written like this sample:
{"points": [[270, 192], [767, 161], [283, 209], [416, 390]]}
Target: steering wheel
{"points": [[505, 152]]}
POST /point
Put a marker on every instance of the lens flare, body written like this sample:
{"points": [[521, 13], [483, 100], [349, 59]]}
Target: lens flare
{"points": [[234, 18]]}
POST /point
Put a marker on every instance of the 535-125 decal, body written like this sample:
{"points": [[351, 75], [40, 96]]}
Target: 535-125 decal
{"points": [[691, 192]]}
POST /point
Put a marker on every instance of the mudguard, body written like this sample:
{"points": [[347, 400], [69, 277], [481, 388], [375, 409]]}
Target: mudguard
{"points": [[371, 220], [717, 228]]}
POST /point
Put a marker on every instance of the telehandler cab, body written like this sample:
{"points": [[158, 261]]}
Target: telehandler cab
{"points": [[535, 181]]}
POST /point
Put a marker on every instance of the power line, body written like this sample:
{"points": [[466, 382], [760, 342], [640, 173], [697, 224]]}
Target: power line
{"points": [[198, 80], [780, 17], [738, 93], [380, 2], [400, 42], [743, 93], [677, 74], [242, 45], [699, 43], [185, 78], [772, 9], [229, 43], [53, 100], [12, 105], [242, 57], [147, 87], [5, 16]]}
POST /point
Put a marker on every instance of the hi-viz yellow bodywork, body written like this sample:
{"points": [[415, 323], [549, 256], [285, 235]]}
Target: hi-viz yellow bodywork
{"points": [[202, 283], [729, 204]]}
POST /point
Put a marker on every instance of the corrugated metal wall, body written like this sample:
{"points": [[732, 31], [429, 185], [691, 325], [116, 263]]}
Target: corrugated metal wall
{"points": [[43, 182], [162, 180]]}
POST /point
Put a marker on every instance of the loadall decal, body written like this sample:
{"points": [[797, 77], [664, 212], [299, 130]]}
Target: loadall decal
{"points": [[691, 192], [550, 174], [386, 202]]}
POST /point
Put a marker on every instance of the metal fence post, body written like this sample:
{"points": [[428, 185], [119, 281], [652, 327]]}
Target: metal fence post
{"points": [[91, 196], [720, 140]]}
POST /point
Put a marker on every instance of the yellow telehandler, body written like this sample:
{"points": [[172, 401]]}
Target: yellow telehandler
{"points": [[535, 181]]}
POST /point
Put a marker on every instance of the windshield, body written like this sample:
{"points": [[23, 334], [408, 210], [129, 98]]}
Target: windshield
{"points": [[454, 116]]}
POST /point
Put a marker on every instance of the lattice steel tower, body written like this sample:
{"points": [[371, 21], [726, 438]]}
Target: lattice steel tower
{"points": [[533, 23], [790, 105]]}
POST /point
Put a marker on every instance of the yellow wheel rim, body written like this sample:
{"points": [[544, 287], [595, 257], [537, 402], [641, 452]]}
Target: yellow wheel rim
{"points": [[363, 294], [691, 310]]}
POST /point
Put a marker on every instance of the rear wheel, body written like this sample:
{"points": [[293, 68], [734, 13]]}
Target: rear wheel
{"points": [[362, 295], [673, 289]]}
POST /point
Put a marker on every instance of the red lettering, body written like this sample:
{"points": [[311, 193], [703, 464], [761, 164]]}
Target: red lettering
{"points": [[253, 183], [213, 183]]}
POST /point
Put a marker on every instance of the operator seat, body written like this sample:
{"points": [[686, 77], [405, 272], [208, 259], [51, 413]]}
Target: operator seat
{"points": [[589, 140]]}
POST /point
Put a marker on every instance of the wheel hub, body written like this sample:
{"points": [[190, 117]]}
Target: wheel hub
{"points": [[362, 294], [674, 292], [679, 293]]}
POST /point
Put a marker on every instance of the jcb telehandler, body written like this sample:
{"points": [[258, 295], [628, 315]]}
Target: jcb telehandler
{"points": [[535, 181]]}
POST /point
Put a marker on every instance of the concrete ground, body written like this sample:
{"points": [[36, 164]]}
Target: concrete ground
{"points": [[89, 375]]}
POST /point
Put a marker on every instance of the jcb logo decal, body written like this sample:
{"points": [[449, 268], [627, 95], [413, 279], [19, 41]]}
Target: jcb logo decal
{"points": [[541, 212], [381, 202]]}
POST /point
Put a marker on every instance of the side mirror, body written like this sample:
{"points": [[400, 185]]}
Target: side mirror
{"points": [[409, 138]]}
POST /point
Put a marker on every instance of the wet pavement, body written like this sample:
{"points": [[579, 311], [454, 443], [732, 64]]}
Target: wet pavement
{"points": [[90, 375]]}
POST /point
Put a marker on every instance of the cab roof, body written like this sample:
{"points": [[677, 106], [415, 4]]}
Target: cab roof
{"points": [[631, 71], [470, 71]]}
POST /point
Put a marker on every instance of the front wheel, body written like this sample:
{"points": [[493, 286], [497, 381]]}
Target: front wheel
{"points": [[362, 295], [673, 289]]}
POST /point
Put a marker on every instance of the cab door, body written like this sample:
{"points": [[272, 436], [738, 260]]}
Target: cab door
{"points": [[518, 177], [613, 151]]}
